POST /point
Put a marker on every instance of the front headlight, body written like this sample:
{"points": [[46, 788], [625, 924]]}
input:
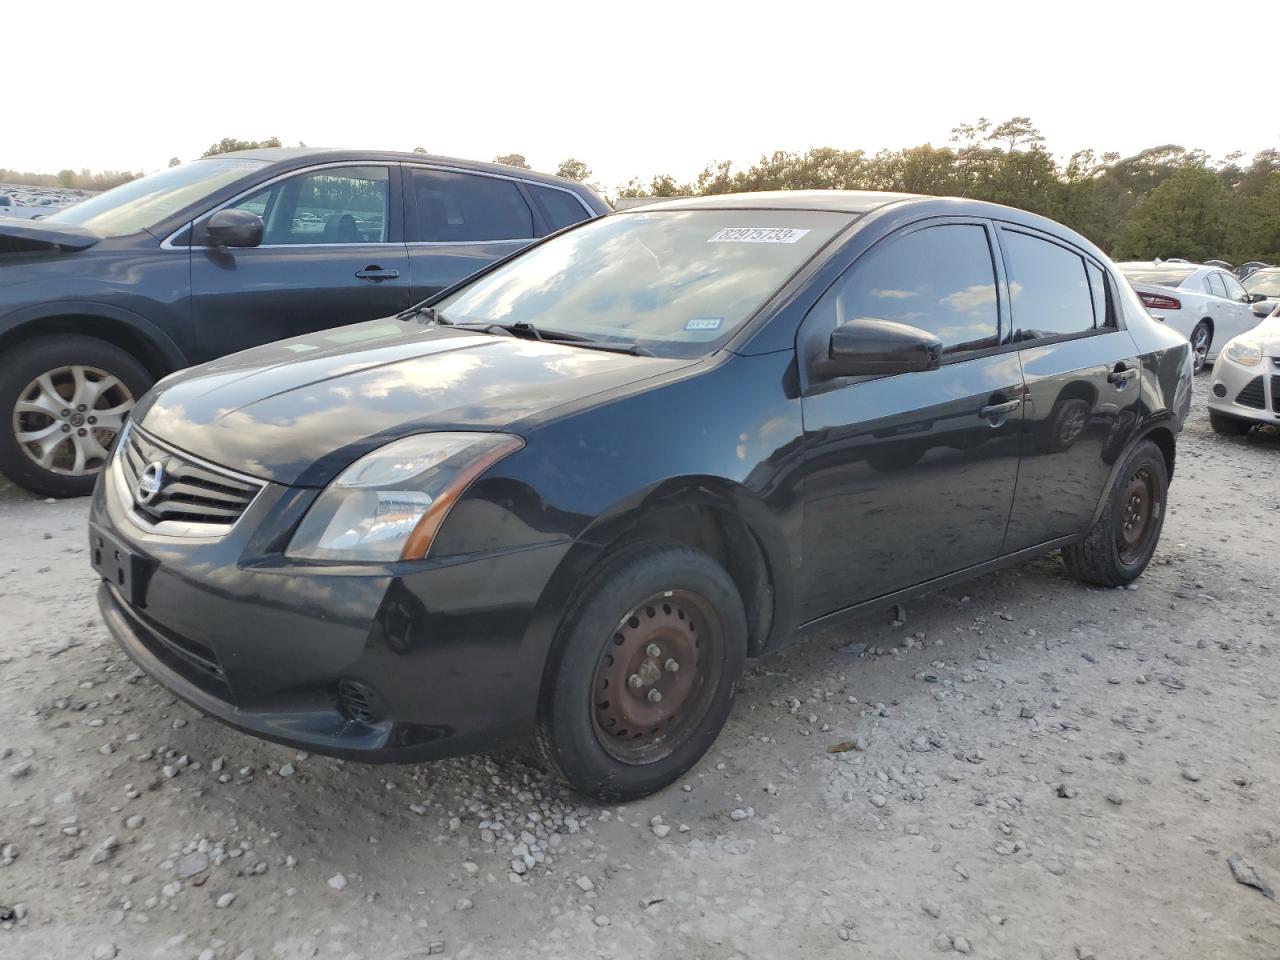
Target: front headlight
{"points": [[1244, 352], [389, 504]]}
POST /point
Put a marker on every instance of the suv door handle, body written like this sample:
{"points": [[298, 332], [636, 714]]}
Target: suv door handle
{"points": [[1122, 374], [993, 410], [375, 273]]}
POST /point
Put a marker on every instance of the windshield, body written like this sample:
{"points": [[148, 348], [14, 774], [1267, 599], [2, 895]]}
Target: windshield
{"points": [[676, 282], [1264, 281], [1166, 277], [141, 203]]}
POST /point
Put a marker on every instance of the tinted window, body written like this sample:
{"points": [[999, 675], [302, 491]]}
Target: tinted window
{"points": [[940, 279], [464, 208], [1213, 283], [560, 207], [1103, 312], [1234, 290], [1048, 288], [677, 282], [333, 205]]}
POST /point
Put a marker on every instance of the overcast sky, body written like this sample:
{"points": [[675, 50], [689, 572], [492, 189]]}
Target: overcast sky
{"points": [[632, 89]]}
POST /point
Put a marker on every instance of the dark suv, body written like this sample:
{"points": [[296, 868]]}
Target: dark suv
{"points": [[99, 300]]}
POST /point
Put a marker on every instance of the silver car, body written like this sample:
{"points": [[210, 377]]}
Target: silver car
{"points": [[1246, 380]]}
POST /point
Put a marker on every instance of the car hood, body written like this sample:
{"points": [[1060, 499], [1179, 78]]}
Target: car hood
{"points": [[299, 411], [36, 236]]}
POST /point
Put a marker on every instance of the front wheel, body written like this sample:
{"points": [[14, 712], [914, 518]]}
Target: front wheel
{"points": [[1119, 546], [1229, 426], [65, 399], [643, 671]]}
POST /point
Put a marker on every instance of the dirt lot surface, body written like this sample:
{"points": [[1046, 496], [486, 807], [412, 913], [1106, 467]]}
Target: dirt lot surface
{"points": [[1035, 769]]}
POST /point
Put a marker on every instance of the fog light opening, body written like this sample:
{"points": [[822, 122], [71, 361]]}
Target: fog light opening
{"points": [[1219, 390], [357, 702]]}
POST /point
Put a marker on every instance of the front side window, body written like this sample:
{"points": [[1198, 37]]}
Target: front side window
{"points": [[677, 282], [940, 279], [466, 208], [148, 201], [333, 205], [1049, 290]]}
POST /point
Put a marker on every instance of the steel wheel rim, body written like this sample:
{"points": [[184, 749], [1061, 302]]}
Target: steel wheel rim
{"points": [[66, 419], [1139, 509], [669, 644]]}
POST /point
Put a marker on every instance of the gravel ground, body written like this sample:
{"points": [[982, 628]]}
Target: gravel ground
{"points": [[1024, 768]]}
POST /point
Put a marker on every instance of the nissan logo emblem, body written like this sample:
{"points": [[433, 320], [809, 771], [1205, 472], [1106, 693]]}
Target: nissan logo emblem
{"points": [[150, 482]]}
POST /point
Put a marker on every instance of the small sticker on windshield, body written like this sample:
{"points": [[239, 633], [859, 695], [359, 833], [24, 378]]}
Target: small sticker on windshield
{"points": [[704, 323], [757, 235]]}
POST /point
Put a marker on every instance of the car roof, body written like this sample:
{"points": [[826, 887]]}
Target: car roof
{"points": [[296, 155], [837, 201]]}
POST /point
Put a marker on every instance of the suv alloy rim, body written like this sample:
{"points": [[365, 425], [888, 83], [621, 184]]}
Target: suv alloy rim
{"points": [[67, 418], [1201, 347], [653, 682]]}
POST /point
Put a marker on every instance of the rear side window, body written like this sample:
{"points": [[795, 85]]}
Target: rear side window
{"points": [[1103, 310], [466, 208], [1049, 289], [560, 208], [940, 279], [1213, 283]]}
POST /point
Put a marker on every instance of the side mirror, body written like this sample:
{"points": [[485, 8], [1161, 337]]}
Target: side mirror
{"points": [[233, 228], [883, 348], [1255, 297]]}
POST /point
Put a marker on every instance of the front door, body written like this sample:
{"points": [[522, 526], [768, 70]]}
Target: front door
{"points": [[332, 253], [911, 477], [1083, 383]]}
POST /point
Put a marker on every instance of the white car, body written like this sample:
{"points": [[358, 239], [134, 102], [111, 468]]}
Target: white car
{"points": [[1266, 281], [1207, 305], [1246, 384]]}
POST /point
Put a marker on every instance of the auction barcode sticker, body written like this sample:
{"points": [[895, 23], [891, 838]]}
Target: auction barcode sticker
{"points": [[757, 235]]}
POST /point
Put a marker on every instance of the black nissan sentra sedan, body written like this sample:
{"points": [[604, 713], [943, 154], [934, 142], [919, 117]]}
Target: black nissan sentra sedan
{"points": [[565, 500]]}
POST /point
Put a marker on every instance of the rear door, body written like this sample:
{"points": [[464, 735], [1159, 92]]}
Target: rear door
{"points": [[332, 253], [457, 222], [910, 477], [1083, 384]]}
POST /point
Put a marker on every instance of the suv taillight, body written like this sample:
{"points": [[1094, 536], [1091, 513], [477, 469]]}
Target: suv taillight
{"points": [[1156, 301]]}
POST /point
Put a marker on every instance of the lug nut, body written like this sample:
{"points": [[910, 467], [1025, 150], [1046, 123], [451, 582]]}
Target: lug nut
{"points": [[82, 432], [81, 407], [653, 650], [93, 419], [671, 666], [66, 428], [634, 681], [654, 696], [66, 413]]}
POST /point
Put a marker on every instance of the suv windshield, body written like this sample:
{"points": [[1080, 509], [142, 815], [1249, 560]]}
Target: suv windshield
{"points": [[677, 282], [1263, 281], [141, 203]]}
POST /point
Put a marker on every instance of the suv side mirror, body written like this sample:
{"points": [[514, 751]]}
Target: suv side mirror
{"points": [[862, 348], [233, 228]]}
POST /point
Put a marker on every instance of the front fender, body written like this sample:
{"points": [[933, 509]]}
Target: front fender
{"points": [[28, 316]]}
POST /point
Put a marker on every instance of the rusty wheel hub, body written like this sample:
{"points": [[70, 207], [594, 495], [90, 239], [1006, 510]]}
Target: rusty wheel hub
{"points": [[650, 678], [1137, 506]]}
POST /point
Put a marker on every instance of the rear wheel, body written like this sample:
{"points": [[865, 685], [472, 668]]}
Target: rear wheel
{"points": [[1229, 426], [643, 672], [66, 399], [1201, 340], [1119, 546]]}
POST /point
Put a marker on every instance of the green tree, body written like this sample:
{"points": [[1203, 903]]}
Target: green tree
{"points": [[231, 144], [66, 178], [1185, 216], [175, 162], [420, 150], [573, 170], [512, 160]]}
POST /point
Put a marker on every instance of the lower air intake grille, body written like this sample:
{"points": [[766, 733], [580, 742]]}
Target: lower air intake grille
{"points": [[1275, 393], [1252, 395]]}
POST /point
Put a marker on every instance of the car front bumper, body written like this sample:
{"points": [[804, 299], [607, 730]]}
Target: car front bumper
{"points": [[402, 663], [1246, 393]]}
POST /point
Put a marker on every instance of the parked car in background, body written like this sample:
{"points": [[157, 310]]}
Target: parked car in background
{"points": [[566, 500], [101, 299], [1220, 264], [1265, 281], [1205, 304], [10, 207], [1246, 381], [1245, 269]]}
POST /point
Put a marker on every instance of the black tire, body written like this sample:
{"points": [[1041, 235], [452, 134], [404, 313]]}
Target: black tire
{"points": [[634, 583], [1107, 556], [1229, 426], [20, 369], [1065, 425], [1201, 340]]}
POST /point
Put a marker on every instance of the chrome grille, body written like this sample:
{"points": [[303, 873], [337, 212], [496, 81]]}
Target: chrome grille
{"points": [[190, 492]]}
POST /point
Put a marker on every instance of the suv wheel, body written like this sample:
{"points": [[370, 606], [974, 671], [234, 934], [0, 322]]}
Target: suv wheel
{"points": [[66, 400], [643, 672], [1119, 546]]}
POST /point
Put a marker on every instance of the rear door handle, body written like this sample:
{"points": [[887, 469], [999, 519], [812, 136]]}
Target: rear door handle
{"points": [[1122, 374], [993, 410], [374, 272]]}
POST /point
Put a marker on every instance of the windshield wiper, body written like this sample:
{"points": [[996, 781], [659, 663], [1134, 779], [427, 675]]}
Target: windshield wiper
{"points": [[528, 331]]}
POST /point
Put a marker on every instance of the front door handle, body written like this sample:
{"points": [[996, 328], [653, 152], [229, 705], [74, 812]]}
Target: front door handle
{"points": [[993, 410], [375, 273], [1122, 374]]}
